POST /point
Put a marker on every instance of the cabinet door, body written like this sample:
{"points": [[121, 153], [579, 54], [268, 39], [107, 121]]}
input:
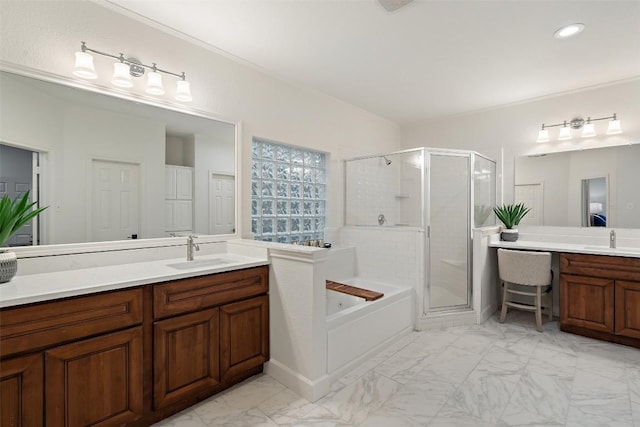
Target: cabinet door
{"points": [[587, 302], [628, 308], [184, 183], [244, 336], [170, 182], [186, 356], [21, 388], [183, 215], [95, 382]]}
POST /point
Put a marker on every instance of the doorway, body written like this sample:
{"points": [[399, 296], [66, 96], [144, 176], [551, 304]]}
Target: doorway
{"points": [[594, 202], [19, 173]]}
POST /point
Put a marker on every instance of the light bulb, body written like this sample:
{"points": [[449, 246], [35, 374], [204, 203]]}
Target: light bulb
{"points": [[84, 66], [121, 76], [568, 31], [154, 83], [183, 92]]}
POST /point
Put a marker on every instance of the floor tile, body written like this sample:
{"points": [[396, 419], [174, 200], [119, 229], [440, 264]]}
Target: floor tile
{"points": [[494, 374]]}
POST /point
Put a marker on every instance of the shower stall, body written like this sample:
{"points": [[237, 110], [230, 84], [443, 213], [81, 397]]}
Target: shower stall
{"points": [[439, 195]]}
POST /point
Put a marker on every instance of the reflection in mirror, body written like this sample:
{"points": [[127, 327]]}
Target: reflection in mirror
{"points": [[113, 169], [553, 185], [594, 202]]}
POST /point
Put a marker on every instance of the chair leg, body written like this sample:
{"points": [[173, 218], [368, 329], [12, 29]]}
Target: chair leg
{"points": [[550, 298], [505, 294], [539, 308]]}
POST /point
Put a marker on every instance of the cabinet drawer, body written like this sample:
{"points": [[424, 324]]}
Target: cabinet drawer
{"points": [[611, 267], [187, 295], [42, 325]]}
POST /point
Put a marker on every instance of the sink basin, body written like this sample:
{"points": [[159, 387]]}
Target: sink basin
{"points": [[200, 263]]}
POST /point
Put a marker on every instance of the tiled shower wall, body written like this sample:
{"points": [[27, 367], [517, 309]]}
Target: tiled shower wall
{"points": [[393, 255], [394, 190]]}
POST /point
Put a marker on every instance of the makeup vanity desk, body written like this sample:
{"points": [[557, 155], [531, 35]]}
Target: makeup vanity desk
{"points": [[599, 288]]}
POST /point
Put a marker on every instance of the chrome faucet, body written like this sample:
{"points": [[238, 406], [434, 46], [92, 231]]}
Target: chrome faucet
{"points": [[612, 239], [191, 245]]}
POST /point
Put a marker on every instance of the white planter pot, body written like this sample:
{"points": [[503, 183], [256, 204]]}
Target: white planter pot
{"points": [[8, 265], [509, 235]]}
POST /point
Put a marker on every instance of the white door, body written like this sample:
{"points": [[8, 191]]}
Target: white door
{"points": [[115, 201], [532, 196], [222, 201], [184, 183]]}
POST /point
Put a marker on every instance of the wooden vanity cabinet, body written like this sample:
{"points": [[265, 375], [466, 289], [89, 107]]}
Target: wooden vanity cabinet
{"points": [[132, 357], [600, 297], [73, 362], [209, 333]]}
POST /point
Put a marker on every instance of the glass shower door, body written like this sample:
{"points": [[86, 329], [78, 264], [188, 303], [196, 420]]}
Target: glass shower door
{"points": [[448, 241]]}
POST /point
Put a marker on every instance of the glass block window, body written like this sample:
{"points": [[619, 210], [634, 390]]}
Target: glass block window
{"points": [[288, 188]]}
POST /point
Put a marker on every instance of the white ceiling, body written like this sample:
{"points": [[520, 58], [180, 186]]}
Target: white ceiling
{"points": [[426, 60]]}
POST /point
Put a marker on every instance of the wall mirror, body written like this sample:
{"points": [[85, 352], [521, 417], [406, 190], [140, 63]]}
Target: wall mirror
{"points": [[113, 169], [589, 188]]}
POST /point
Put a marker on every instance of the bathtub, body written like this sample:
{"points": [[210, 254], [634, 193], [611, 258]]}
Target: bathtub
{"points": [[356, 328]]}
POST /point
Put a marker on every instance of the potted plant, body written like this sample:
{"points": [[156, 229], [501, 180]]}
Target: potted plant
{"points": [[510, 215], [13, 215]]}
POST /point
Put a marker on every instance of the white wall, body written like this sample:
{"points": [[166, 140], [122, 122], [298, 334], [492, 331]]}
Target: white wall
{"points": [[512, 130], [44, 36]]}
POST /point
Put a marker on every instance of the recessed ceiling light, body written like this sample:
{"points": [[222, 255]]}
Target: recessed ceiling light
{"points": [[568, 31]]}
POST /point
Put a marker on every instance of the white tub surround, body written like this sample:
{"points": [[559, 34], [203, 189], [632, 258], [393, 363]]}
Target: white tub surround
{"points": [[297, 306], [310, 350], [362, 329], [30, 288]]}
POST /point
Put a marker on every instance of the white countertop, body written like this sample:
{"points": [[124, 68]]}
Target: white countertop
{"points": [[62, 284], [566, 247]]}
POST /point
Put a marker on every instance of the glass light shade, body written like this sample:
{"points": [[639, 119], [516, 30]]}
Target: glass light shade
{"points": [[183, 92], [84, 66], [614, 127], [588, 130], [121, 76], [565, 133], [543, 136], [154, 83]]}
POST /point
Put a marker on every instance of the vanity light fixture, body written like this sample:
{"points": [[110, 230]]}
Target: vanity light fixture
{"points": [[125, 68], [588, 128]]}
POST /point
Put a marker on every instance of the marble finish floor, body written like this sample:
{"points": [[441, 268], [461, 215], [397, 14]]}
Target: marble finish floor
{"points": [[484, 375]]}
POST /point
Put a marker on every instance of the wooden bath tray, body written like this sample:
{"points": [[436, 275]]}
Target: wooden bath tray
{"points": [[352, 290]]}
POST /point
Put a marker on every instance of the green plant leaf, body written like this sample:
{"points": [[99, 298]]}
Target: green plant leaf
{"points": [[511, 215], [14, 214]]}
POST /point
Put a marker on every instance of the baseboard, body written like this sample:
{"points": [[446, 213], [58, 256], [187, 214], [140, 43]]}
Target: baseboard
{"points": [[487, 313], [311, 390]]}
